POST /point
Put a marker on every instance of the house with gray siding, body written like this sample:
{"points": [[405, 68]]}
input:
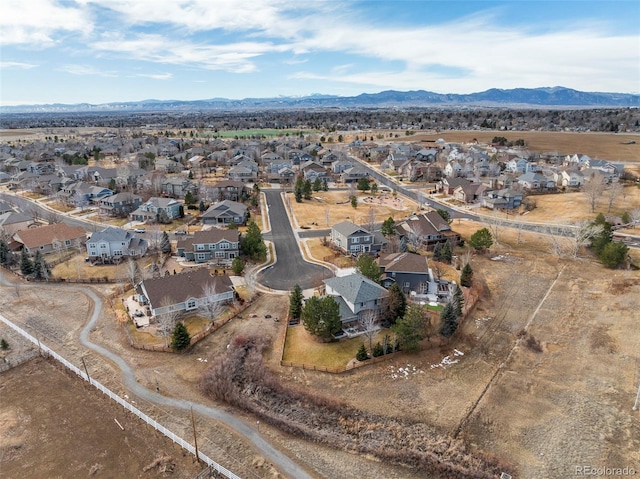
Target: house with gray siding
{"points": [[114, 244], [357, 295], [353, 239], [214, 245], [410, 271], [225, 212]]}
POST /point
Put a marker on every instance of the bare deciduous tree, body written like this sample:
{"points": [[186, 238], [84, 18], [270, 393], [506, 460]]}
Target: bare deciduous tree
{"points": [[593, 189], [133, 272], [368, 322], [370, 219], [635, 217], [614, 191], [584, 232], [167, 319], [210, 304]]}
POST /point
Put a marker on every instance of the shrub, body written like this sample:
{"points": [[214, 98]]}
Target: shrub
{"points": [[378, 350], [362, 355]]}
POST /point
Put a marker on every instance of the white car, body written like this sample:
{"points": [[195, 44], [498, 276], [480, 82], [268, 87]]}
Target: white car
{"points": [[139, 230]]}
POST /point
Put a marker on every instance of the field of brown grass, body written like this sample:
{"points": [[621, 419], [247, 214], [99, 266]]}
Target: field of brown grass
{"points": [[327, 208]]}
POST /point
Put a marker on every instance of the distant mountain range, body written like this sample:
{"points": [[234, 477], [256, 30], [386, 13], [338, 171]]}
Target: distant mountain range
{"points": [[555, 97]]}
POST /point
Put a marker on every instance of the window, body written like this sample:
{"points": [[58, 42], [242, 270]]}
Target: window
{"points": [[224, 245], [67, 242], [393, 274], [200, 247], [219, 254], [103, 246], [407, 284], [117, 253], [201, 256], [355, 239], [212, 246], [191, 304]]}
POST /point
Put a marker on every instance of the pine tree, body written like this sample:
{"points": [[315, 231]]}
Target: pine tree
{"points": [[306, 189], [252, 244], [466, 277], [202, 207], [354, 201], [437, 252], [389, 227], [295, 302], [317, 184], [165, 243], [189, 199], [40, 268], [449, 320], [4, 251], [237, 265], [447, 254], [180, 339], [26, 265], [362, 355], [298, 190], [378, 350]]}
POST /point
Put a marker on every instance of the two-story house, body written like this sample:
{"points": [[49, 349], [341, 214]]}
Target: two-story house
{"points": [[353, 239], [114, 244], [356, 295], [503, 199], [155, 208], [410, 271], [220, 246], [228, 190], [120, 204], [427, 230]]}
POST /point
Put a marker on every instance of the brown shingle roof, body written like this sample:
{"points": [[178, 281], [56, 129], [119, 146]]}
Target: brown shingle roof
{"points": [[178, 288], [45, 235], [404, 262]]}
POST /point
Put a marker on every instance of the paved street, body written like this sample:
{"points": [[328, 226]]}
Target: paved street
{"points": [[290, 267]]}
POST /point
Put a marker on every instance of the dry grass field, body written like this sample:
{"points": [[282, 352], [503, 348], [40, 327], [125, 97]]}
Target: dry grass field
{"points": [[606, 146], [327, 208]]}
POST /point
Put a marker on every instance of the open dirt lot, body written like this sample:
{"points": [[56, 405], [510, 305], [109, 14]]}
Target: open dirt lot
{"points": [[52, 424]]}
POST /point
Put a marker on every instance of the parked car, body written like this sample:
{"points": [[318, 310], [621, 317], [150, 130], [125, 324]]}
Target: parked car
{"points": [[139, 230], [180, 232]]}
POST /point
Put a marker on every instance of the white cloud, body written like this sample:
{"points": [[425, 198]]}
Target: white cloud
{"points": [[86, 70], [156, 76], [16, 66], [38, 22]]}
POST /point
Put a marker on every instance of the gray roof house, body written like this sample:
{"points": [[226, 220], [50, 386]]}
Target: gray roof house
{"points": [[184, 292], [217, 245], [153, 208], [113, 244], [355, 295], [427, 230], [505, 198], [120, 204], [224, 213], [351, 238]]}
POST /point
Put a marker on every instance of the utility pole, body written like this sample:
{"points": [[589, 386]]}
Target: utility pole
{"points": [[86, 370], [195, 439], [635, 406]]}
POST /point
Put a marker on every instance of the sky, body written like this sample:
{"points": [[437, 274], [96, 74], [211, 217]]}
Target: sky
{"points": [[99, 51]]}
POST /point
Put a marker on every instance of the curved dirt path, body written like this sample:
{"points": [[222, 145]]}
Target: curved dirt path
{"points": [[282, 462]]}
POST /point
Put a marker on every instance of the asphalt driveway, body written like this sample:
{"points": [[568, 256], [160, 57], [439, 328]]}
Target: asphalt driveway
{"points": [[290, 267]]}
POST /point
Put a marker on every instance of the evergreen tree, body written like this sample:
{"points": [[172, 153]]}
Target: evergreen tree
{"points": [[237, 265], [317, 184], [180, 339], [354, 201], [449, 320], [466, 277], [189, 199], [321, 317], [397, 303], [232, 225], [410, 329], [202, 207], [378, 350], [295, 302], [437, 252], [306, 189], [40, 269], [389, 227], [4, 345], [325, 186], [367, 267], [4, 251], [613, 254], [165, 243], [26, 265], [447, 254], [362, 355], [374, 188], [364, 184], [252, 244], [481, 240], [600, 241], [298, 190]]}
